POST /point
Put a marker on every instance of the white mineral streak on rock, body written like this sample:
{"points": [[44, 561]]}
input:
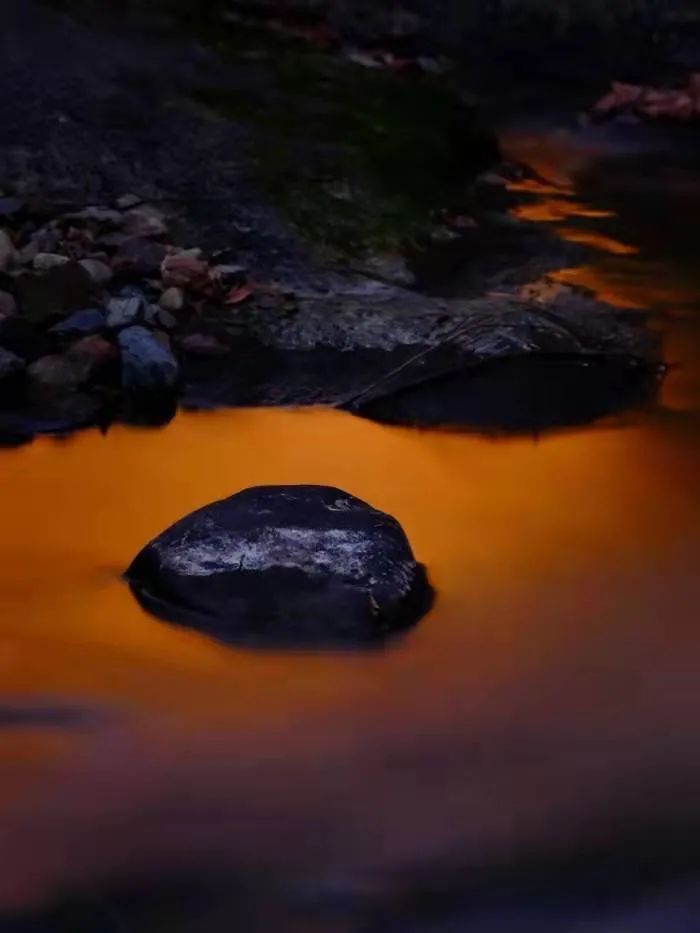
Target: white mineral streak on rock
{"points": [[335, 551]]}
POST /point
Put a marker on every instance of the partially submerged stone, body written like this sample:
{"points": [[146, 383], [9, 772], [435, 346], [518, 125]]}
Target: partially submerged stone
{"points": [[285, 566], [147, 366]]}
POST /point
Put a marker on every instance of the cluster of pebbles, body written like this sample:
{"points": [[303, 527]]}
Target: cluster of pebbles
{"points": [[97, 307]]}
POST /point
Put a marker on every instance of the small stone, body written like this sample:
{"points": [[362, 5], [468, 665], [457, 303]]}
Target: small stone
{"points": [[124, 310], [147, 366], [99, 272], [81, 324], [127, 201], [184, 268], [151, 315], [8, 253], [172, 299], [52, 376], [91, 358], [144, 221], [203, 345], [166, 319], [43, 241], [139, 255], [45, 261], [10, 364], [8, 305]]}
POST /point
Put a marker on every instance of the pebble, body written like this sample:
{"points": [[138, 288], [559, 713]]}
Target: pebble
{"points": [[144, 221], [45, 261], [172, 299], [99, 272], [121, 312], [81, 324], [52, 375], [147, 365], [127, 201], [91, 356], [166, 319]]}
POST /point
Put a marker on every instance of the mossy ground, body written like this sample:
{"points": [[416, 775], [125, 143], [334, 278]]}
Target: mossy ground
{"points": [[358, 159]]}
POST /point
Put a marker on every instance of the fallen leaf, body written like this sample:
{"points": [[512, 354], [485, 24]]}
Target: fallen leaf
{"points": [[238, 294]]}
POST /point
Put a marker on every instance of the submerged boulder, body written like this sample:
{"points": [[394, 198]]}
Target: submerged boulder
{"points": [[287, 566]]}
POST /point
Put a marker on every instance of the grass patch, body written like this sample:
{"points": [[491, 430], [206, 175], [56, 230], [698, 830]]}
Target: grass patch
{"points": [[357, 158]]}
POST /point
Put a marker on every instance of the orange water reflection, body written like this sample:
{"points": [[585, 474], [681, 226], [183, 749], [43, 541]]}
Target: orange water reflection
{"points": [[555, 210], [567, 597], [551, 693]]}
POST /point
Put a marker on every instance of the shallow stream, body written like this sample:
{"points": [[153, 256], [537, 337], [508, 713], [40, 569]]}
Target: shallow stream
{"points": [[546, 707]]}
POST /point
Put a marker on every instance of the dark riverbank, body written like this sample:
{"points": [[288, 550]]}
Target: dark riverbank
{"points": [[331, 191]]}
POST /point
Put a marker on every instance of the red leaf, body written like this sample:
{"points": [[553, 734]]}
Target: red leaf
{"points": [[238, 294]]}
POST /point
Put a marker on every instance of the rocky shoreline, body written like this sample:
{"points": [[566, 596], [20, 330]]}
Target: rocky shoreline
{"points": [[102, 319], [132, 282]]}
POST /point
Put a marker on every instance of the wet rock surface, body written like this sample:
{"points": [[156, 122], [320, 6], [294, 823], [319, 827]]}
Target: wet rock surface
{"points": [[295, 566]]}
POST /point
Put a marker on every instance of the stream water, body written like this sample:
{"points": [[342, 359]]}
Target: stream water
{"points": [[545, 709]]}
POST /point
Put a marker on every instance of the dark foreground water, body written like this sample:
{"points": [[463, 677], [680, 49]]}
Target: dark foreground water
{"points": [[526, 759]]}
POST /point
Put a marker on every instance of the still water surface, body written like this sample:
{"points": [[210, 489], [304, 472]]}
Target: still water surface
{"points": [[548, 701]]}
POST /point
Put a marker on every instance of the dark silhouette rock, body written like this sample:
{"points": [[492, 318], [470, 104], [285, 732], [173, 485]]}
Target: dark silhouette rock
{"points": [[287, 566]]}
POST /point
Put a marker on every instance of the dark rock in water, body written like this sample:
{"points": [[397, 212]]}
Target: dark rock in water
{"points": [[81, 324], [400, 356], [60, 415], [150, 377], [521, 394], [285, 566]]}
